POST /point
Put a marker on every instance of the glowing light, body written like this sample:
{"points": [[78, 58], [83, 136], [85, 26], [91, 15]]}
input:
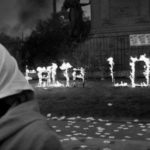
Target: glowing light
{"points": [[123, 84], [54, 69], [42, 78], [133, 60], [47, 76], [27, 71], [56, 84], [146, 71], [66, 66], [111, 63], [80, 75], [132, 73]]}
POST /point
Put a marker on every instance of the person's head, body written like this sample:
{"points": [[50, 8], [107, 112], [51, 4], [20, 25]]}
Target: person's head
{"points": [[14, 88]]}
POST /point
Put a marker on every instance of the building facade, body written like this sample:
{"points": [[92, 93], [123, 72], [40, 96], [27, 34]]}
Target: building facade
{"points": [[112, 23]]}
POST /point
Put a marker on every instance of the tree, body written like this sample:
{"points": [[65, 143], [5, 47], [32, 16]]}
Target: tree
{"points": [[43, 45], [50, 41]]}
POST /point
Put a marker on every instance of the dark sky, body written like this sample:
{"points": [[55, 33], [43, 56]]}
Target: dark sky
{"points": [[17, 16]]}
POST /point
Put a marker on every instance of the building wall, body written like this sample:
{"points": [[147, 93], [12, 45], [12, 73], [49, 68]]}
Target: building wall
{"points": [[120, 16], [112, 23]]}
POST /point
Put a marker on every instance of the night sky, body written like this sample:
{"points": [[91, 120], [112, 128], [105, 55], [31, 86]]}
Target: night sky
{"points": [[17, 16]]}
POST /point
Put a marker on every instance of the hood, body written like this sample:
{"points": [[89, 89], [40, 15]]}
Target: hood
{"points": [[17, 119], [24, 128], [12, 81]]}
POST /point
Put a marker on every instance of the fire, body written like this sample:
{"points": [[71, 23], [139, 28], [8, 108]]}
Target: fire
{"points": [[27, 71], [80, 75], [47, 76], [51, 74], [132, 73], [146, 71], [54, 69], [49, 70], [133, 60], [123, 84], [65, 67], [111, 63], [42, 78]]}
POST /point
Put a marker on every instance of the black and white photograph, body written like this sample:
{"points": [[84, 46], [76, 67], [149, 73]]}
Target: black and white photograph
{"points": [[74, 74]]}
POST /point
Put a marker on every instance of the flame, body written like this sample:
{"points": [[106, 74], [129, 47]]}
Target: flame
{"points": [[111, 63], [66, 66], [133, 60], [41, 77], [52, 72], [54, 69], [146, 72], [48, 80], [81, 75], [49, 70], [132, 73], [47, 75], [146, 67], [56, 84], [27, 71], [123, 84]]}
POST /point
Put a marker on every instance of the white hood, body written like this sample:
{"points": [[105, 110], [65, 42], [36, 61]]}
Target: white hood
{"points": [[12, 81]]}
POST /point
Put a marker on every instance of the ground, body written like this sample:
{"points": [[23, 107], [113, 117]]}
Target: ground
{"points": [[96, 134], [98, 116]]}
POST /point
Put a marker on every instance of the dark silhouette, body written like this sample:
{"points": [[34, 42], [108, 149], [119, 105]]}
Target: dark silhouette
{"points": [[75, 16]]}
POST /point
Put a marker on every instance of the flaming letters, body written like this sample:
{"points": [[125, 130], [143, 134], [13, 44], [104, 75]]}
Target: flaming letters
{"points": [[78, 73], [133, 60], [27, 72], [65, 67], [47, 75], [111, 63]]}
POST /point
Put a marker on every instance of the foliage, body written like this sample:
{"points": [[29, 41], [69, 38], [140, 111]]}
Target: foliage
{"points": [[50, 41], [44, 42]]}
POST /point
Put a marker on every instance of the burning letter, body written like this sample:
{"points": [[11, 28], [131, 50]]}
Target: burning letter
{"points": [[66, 66]]}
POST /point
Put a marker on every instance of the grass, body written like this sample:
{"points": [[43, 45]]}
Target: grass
{"points": [[98, 99]]}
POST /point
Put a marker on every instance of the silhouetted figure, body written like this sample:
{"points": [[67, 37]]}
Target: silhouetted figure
{"points": [[75, 16]]}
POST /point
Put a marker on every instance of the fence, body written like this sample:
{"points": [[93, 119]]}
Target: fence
{"points": [[93, 53]]}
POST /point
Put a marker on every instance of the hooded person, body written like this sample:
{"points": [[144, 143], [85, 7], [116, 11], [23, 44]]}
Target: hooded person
{"points": [[22, 127]]}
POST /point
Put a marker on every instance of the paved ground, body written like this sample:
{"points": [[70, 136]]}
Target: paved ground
{"points": [[98, 98], [90, 133]]}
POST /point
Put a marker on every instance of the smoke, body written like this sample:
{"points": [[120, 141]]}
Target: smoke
{"points": [[30, 11], [17, 16], [21, 16]]}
